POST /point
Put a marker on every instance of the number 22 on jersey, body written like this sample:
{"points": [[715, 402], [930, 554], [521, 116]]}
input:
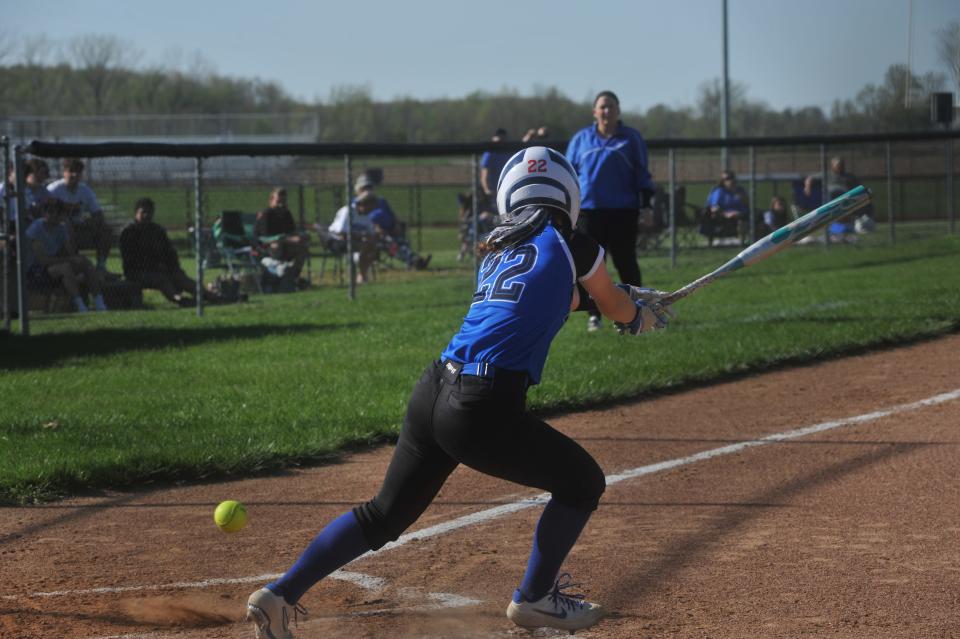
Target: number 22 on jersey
{"points": [[501, 275]]}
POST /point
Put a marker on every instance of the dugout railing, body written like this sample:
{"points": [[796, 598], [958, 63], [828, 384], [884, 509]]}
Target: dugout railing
{"points": [[910, 174]]}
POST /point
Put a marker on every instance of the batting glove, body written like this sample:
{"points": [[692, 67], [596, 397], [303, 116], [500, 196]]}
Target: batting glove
{"points": [[651, 316], [641, 294]]}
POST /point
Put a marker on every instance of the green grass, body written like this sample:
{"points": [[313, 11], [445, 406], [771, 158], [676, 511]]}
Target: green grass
{"points": [[122, 399]]}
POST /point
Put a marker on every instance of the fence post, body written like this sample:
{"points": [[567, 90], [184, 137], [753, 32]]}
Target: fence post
{"points": [[419, 211], [753, 196], [951, 212], [188, 200], [890, 220], [198, 228], [823, 191], [476, 211], [21, 242], [672, 172], [351, 265], [302, 204], [4, 233]]}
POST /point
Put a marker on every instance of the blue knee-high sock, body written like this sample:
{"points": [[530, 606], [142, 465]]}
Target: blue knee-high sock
{"points": [[338, 544], [557, 531]]}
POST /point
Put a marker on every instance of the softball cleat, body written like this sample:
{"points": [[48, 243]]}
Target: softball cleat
{"points": [[270, 614], [556, 610]]}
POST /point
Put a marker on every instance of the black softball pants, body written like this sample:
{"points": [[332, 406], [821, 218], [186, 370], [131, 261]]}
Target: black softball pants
{"points": [[480, 422], [616, 231]]}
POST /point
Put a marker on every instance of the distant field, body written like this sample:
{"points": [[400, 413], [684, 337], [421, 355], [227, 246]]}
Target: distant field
{"points": [[175, 205], [126, 398], [431, 205]]}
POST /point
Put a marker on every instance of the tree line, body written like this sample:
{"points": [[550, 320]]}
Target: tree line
{"points": [[99, 76]]}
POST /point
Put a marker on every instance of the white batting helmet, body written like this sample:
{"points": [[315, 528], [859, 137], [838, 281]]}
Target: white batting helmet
{"points": [[538, 176]]}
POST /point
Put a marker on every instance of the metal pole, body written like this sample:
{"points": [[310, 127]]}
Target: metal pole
{"points": [[823, 190], [301, 203], [672, 177], [951, 209], [4, 232], [725, 103], [198, 229], [890, 220], [753, 196], [351, 265], [21, 242], [474, 185], [419, 211], [909, 74]]}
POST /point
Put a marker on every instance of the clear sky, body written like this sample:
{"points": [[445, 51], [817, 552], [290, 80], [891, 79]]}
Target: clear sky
{"points": [[787, 53]]}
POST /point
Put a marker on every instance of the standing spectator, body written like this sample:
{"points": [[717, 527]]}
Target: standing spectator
{"points": [[777, 215], [491, 164], [52, 257], [615, 183], [150, 260], [276, 228], [727, 208], [536, 136], [88, 233]]}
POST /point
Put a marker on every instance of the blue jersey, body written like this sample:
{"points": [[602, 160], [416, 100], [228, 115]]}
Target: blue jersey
{"points": [[613, 171], [522, 300], [728, 200]]}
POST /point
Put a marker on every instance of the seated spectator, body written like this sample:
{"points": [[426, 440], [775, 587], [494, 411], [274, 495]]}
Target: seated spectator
{"points": [[362, 230], [52, 258], [389, 231], [838, 183], [7, 189], [88, 233], [777, 215], [727, 211], [150, 260], [36, 173], [275, 228], [486, 221]]}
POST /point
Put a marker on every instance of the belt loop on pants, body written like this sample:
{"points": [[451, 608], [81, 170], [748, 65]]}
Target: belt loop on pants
{"points": [[452, 370], [480, 369]]}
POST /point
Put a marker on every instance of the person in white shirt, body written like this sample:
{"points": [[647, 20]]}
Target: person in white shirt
{"points": [[364, 237], [88, 232]]}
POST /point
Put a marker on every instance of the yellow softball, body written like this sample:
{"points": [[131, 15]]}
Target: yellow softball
{"points": [[230, 516]]}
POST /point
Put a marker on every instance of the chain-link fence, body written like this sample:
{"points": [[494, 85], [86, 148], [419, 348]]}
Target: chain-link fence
{"points": [[229, 221]]}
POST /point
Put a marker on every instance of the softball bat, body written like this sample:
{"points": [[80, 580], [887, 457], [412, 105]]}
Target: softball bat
{"points": [[834, 210]]}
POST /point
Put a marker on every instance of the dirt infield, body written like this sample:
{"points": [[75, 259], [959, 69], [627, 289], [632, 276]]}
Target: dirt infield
{"points": [[850, 531]]}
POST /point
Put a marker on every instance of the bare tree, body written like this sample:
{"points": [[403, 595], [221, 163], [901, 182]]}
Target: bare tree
{"points": [[7, 45], [35, 49], [948, 49], [99, 58]]}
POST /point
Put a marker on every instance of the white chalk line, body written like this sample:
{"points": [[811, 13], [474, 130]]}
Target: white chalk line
{"points": [[499, 511], [522, 504]]}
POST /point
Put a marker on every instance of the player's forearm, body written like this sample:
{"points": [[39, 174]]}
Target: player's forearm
{"points": [[618, 306]]}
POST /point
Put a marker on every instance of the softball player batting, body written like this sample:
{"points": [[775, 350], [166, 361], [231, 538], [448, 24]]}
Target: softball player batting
{"points": [[469, 405]]}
